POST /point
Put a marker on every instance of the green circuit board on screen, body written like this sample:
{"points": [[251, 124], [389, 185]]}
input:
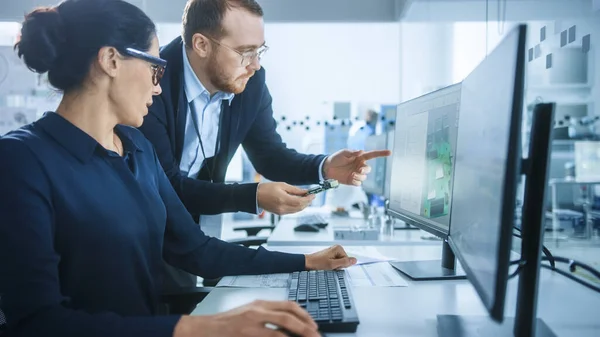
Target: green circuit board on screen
{"points": [[436, 196]]}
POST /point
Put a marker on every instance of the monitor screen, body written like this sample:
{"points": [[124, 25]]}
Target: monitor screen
{"points": [[375, 181], [487, 169], [423, 160]]}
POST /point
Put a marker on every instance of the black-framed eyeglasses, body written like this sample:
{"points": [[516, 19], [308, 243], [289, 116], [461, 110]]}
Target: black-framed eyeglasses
{"points": [[248, 56], [157, 64]]}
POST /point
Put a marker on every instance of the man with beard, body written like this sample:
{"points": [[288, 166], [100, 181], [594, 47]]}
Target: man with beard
{"points": [[215, 98]]}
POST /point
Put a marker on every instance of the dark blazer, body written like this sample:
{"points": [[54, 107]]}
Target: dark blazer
{"points": [[248, 121]]}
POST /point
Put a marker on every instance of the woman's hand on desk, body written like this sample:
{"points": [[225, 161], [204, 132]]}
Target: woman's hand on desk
{"points": [[334, 257], [250, 321]]}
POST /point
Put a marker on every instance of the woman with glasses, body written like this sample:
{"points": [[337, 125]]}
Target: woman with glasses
{"points": [[87, 213]]}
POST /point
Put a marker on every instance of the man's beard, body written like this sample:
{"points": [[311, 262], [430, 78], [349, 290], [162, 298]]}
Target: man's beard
{"points": [[221, 81]]}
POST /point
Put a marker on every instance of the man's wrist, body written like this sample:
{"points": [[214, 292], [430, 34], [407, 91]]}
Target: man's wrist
{"points": [[322, 169], [258, 209]]}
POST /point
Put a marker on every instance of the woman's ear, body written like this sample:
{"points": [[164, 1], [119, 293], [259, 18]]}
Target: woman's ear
{"points": [[109, 60]]}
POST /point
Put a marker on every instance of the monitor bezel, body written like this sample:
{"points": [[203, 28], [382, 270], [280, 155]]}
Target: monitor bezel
{"points": [[389, 144], [428, 225], [495, 305]]}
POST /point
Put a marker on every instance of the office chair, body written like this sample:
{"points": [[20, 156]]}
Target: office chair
{"points": [[253, 230], [181, 301], [249, 241], [2, 319]]}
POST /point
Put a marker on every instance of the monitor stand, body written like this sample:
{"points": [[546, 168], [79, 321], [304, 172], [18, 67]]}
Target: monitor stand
{"points": [[472, 326], [400, 227], [432, 270]]}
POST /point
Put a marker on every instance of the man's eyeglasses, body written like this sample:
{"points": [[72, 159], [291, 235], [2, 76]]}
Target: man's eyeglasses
{"points": [[157, 64], [248, 56]]}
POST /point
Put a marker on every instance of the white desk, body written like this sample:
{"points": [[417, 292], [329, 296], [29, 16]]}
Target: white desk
{"points": [[284, 235], [567, 307]]}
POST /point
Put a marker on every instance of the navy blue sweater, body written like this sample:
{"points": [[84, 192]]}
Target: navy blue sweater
{"points": [[83, 233]]}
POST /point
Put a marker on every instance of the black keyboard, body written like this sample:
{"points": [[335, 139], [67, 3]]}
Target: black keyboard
{"points": [[326, 296], [312, 219]]}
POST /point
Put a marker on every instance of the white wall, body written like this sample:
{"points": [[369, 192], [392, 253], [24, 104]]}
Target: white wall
{"points": [[313, 63], [437, 54], [8, 32], [473, 41], [426, 57]]}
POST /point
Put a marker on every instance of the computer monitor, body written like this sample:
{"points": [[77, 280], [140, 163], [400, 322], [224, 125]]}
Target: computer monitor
{"points": [[487, 171], [375, 182], [422, 171]]}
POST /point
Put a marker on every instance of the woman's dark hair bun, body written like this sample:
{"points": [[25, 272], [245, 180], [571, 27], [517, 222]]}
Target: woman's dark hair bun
{"points": [[65, 40], [42, 40]]}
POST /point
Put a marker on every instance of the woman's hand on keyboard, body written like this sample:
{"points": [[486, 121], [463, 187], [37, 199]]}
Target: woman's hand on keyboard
{"points": [[251, 320], [334, 257]]}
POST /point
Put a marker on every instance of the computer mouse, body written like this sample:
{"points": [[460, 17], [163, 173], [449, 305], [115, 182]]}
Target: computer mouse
{"points": [[321, 225], [306, 228]]}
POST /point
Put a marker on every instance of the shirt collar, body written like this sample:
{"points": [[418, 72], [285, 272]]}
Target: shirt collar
{"points": [[130, 143], [76, 141], [192, 85]]}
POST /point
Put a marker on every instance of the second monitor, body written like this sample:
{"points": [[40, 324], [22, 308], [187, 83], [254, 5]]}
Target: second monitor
{"points": [[422, 173]]}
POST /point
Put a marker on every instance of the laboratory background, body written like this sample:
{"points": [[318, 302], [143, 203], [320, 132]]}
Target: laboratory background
{"points": [[338, 71]]}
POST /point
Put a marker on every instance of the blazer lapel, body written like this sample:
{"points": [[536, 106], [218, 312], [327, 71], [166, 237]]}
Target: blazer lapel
{"points": [[179, 98], [180, 120]]}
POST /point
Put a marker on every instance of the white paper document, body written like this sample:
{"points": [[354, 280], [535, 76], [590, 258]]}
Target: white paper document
{"points": [[375, 275], [366, 255], [255, 281], [365, 275]]}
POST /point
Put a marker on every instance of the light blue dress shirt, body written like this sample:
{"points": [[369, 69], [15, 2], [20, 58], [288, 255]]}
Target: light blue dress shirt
{"points": [[208, 111]]}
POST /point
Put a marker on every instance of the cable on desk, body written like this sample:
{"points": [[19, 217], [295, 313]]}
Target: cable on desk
{"points": [[573, 265], [545, 250], [521, 263], [572, 268], [574, 278]]}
